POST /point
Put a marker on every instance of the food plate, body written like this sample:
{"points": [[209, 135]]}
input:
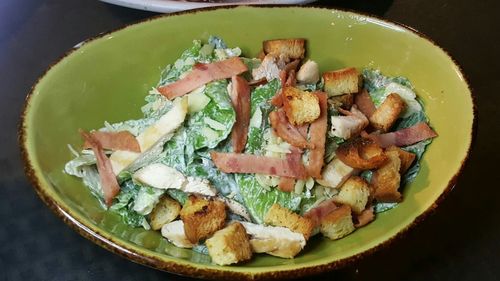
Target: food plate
{"points": [[106, 77], [168, 6]]}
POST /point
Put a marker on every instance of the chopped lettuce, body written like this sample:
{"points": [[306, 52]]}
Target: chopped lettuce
{"points": [[258, 200], [146, 199], [255, 197], [210, 126], [380, 86], [209, 123], [178, 195], [373, 80], [124, 204], [259, 103]]}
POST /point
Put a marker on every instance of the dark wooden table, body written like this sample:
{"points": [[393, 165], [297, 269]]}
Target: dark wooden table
{"points": [[461, 241]]}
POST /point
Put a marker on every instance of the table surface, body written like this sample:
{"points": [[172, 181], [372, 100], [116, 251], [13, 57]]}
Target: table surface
{"points": [[458, 242]]}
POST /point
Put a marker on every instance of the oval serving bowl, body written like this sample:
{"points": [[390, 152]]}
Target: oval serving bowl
{"points": [[108, 77]]}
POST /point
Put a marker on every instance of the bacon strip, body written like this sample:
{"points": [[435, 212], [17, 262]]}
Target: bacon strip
{"points": [[287, 131], [202, 74], [318, 138], [255, 164], [367, 216], [109, 183], [303, 130], [277, 100], [406, 136], [291, 80], [293, 65], [240, 97], [323, 209], [122, 140], [365, 103]]}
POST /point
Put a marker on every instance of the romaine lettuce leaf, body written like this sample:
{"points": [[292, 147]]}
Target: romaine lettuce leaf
{"points": [[258, 200], [380, 86], [124, 203], [201, 129], [146, 199]]}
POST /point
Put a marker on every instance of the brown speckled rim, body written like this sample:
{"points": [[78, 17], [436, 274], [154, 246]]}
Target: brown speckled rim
{"points": [[202, 271]]}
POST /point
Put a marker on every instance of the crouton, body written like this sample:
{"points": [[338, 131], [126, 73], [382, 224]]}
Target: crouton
{"points": [[406, 158], [229, 245], [280, 216], [343, 101], [289, 48], [386, 179], [337, 223], [354, 192], [174, 232], [301, 106], [164, 212], [202, 217], [308, 73], [387, 113], [342, 81], [336, 173]]}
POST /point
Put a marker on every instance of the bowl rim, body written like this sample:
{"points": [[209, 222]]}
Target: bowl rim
{"points": [[224, 272]]}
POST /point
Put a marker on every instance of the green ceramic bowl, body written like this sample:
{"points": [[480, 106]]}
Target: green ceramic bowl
{"points": [[107, 78]]}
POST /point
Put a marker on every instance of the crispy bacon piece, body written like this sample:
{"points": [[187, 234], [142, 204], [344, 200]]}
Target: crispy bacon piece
{"points": [[277, 100], [287, 131], [365, 103], [318, 138], [293, 65], [403, 137], [291, 80], [291, 167], [286, 184], [287, 78], [303, 130], [365, 217], [323, 209], [109, 183], [122, 140], [201, 74], [361, 153], [240, 97]]}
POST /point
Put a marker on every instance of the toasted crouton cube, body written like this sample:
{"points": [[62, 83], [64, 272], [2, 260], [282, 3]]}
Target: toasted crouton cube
{"points": [[288, 48], [406, 158], [301, 106], [337, 223], [354, 192], [336, 173], [342, 81], [229, 245], [202, 217], [388, 112], [164, 212], [386, 179], [280, 216]]}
